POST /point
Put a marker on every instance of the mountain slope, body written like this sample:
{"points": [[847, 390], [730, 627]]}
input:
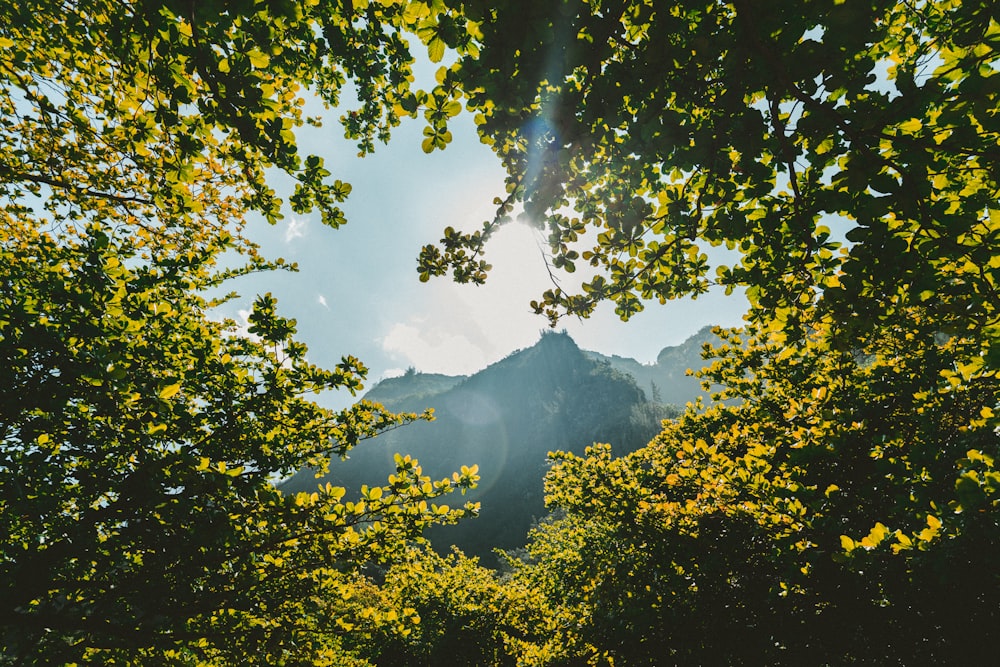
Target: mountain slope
{"points": [[506, 418], [666, 380]]}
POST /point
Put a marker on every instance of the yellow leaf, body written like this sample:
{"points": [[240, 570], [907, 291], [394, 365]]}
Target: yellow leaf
{"points": [[258, 59], [415, 11], [435, 50], [169, 391], [875, 537], [879, 532]]}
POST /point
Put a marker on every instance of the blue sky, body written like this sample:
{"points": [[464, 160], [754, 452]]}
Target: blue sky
{"points": [[357, 291]]}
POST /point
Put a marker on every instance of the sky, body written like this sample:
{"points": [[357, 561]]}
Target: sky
{"points": [[357, 290]]}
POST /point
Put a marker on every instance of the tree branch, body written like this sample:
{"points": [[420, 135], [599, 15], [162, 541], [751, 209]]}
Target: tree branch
{"points": [[8, 173]]}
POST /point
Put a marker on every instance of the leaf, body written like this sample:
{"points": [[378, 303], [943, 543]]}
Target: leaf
{"points": [[875, 537], [435, 50], [170, 391], [258, 59]]}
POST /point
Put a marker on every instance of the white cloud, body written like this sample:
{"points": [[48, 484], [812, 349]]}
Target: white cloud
{"points": [[460, 329], [243, 324], [434, 348], [296, 228], [321, 300]]}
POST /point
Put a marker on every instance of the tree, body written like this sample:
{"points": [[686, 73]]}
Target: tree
{"points": [[168, 114], [466, 613], [843, 506], [639, 134], [654, 391], [841, 510], [846, 152], [139, 436], [141, 439]]}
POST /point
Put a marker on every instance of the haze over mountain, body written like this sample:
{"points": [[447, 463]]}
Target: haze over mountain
{"points": [[508, 417], [666, 380]]}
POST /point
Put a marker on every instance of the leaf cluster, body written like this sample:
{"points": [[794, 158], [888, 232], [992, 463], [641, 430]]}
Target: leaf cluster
{"points": [[813, 143], [140, 437]]}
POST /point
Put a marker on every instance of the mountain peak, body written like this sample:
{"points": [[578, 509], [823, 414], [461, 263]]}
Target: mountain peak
{"points": [[507, 418], [693, 344]]}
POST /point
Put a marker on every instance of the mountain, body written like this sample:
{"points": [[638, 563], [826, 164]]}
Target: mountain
{"points": [[412, 386], [666, 380], [506, 418]]}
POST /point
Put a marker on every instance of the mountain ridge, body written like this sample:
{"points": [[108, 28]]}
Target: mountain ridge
{"points": [[667, 376], [506, 418]]}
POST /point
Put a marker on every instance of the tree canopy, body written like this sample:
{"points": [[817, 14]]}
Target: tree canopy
{"points": [[838, 504], [814, 141], [140, 437], [841, 506]]}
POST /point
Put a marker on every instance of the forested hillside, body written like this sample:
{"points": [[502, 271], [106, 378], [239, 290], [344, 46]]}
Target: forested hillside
{"points": [[506, 419], [667, 379]]}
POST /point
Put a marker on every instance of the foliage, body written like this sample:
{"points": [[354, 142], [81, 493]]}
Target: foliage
{"points": [[140, 441], [844, 510], [639, 134], [468, 615], [840, 507], [168, 114], [139, 437]]}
